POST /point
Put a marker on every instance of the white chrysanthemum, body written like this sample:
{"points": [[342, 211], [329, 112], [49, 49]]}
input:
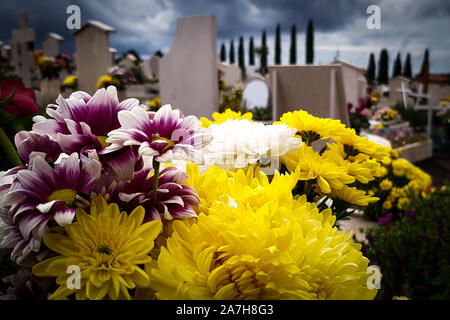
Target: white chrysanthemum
{"points": [[239, 143]]}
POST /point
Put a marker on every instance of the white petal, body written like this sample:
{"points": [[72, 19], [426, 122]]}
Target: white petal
{"points": [[64, 217]]}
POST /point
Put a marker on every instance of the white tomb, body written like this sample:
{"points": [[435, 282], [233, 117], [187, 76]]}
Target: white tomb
{"points": [[188, 73], [317, 89], [355, 83], [154, 66], [92, 56]]}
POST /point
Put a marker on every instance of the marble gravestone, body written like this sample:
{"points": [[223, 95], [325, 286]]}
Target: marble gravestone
{"points": [[188, 73], [92, 56], [317, 89], [112, 52], [146, 69], [22, 47], [154, 66], [50, 44]]}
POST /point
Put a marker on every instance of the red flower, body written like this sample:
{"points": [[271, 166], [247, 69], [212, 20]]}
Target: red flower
{"points": [[24, 101]]}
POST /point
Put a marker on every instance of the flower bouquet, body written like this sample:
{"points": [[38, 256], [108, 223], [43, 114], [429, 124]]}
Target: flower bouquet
{"points": [[117, 202]]}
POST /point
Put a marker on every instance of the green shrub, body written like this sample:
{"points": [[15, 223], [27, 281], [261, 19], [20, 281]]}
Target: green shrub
{"points": [[413, 251]]}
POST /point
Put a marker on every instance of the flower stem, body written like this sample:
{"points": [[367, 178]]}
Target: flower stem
{"points": [[9, 149], [155, 181]]}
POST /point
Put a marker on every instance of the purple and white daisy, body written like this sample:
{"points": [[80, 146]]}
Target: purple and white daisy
{"points": [[81, 124], [174, 199], [43, 195], [28, 142], [165, 135]]}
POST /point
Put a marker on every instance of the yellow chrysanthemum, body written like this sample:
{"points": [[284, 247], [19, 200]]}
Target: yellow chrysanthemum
{"points": [[106, 80], [386, 184], [222, 117], [108, 246], [70, 81], [269, 253], [387, 205], [250, 186], [354, 196], [154, 104], [360, 170], [310, 165], [311, 128], [354, 144], [402, 203]]}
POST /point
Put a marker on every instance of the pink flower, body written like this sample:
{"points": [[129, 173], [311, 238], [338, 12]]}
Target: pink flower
{"points": [[23, 102]]}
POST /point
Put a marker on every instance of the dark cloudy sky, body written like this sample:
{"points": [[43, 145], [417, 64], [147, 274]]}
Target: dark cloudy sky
{"points": [[149, 25]]}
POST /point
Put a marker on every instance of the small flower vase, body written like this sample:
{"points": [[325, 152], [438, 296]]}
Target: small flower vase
{"points": [[50, 89]]}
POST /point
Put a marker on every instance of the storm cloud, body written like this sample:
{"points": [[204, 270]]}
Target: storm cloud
{"points": [[340, 26]]}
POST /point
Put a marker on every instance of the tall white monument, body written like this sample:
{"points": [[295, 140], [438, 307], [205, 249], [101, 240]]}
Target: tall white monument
{"points": [[22, 47], [92, 56], [188, 73]]}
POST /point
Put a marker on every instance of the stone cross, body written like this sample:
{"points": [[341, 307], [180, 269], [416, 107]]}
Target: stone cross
{"points": [[22, 47]]}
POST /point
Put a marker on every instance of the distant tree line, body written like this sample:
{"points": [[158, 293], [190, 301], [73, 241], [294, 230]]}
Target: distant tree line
{"points": [[398, 69], [263, 50]]}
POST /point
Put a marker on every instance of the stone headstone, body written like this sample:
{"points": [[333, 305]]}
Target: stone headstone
{"points": [[317, 89], [146, 69], [154, 66], [251, 71], [22, 47], [112, 52], [92, 56], [355, 84], [188, 73], [231, 74], [128, 61], [50, 44]]}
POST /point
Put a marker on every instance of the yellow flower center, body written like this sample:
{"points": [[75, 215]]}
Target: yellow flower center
{"points": [[102, 140], [170, 143], [67, 195]]}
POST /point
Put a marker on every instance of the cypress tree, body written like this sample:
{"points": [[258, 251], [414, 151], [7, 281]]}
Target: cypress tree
{"points": [[425, 63], [277, 45], [310, 43], [397, 70], [232, 52], [264, 52], [223, 55], [407, 70], [383, 66], [371, 69], [241, 61], [251, 52], [293, 51]]}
